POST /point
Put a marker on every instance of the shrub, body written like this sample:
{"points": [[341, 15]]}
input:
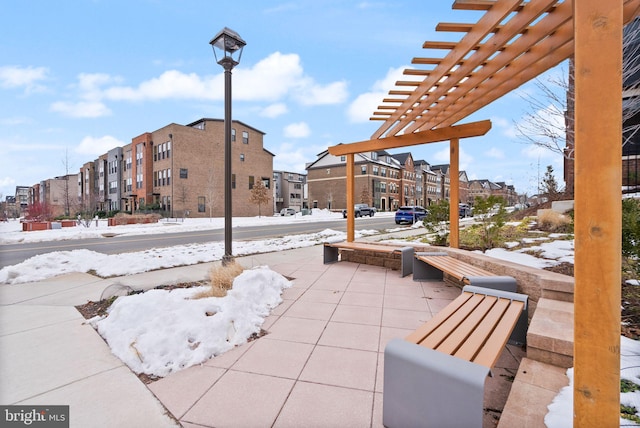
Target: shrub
{"points": [[491, 214], [221, 278], [552, 221], [437, 221], [631, 235]]}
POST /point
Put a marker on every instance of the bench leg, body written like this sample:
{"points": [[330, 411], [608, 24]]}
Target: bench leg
{"points": [[422, 270], [427, 388], [406, 262], [504, 283], [330, 254]]}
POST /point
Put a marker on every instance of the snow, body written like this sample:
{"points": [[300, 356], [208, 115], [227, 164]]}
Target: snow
{"points": [[561, 408], [159, 332]]}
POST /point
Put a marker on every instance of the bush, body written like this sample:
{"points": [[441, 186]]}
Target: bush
{"points": [[554, 222], [491, 214], [631, 235], [221, 278], [437, 221]]}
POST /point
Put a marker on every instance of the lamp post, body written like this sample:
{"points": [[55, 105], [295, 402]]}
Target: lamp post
{"points": [[173, 173], [225, 45]]}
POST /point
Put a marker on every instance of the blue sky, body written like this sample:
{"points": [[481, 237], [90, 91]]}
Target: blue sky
{"points": [[78, 78]]}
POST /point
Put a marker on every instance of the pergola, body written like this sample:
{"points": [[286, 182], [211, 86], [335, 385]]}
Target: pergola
{"points": [[513, 42]]}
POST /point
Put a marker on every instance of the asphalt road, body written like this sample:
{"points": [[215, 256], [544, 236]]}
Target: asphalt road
{"points": [[16, 253]]}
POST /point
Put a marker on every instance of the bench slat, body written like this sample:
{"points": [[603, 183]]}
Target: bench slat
{"points": [[364, 246], [479, 337], [454, 267], [487, 356], [425, 329], [439, 334], [475, 322]]}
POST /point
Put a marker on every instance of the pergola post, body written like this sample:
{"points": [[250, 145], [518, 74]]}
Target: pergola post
{"points": [[454, 192], [598, 180], [351, 223]]}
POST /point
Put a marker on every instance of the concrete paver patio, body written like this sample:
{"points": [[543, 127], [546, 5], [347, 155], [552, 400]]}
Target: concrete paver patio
{"points": [[320, 365]]}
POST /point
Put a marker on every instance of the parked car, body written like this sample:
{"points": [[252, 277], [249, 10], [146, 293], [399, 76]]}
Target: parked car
{"points": [[410, 214], [465, 210], [287, 211], [361, 210]]}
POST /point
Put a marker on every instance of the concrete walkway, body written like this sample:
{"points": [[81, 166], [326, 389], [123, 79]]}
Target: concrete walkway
{"points": [[320, 365]]}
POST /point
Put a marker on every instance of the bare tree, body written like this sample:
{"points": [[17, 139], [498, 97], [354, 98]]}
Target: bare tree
{"points": [[548, 122], [259, 196], [365, 196], [182, 197], [211, 192]]}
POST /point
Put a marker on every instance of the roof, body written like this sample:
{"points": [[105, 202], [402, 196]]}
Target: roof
{"points": [[207, 119]]}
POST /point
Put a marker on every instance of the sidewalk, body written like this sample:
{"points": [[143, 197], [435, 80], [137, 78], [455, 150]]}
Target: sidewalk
{"points": [[320, 365]]}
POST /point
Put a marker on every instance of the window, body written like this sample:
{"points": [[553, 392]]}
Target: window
{"points": [[201, 204], [328, 171], [375, 170], [168, 177], [245, 137], [251, 182], [363, 169], [266, 182], [184, 173], [155, 153], [233, 134], [233, 181], [241, 157], [343, 158], [374, 155]]}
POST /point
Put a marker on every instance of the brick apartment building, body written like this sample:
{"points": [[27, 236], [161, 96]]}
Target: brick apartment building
{"points": [[179, 169], [378, 181]]}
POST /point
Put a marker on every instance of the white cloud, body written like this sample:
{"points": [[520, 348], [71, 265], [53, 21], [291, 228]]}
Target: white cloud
{"points": [[494, 152], [26, 77], [442, 157], [271, 79], [97, 146], [274, 110], [294, 157], [362, 108], [297, 130], [532, 151], [312, 94], [81, 109]]}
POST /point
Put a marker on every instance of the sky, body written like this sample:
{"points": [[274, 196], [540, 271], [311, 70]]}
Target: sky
{"points": [[142, 318], [78, 78]]}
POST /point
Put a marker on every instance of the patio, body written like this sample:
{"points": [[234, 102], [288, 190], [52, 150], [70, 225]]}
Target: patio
{"points": [[321, 363]]}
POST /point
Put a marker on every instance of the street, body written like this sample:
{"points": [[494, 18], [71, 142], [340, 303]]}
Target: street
{"points": [[12, 254]]}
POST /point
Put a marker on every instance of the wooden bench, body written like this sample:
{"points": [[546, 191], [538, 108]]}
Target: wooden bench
{"points": [[434, 265], [332, 251], [435, 376]]}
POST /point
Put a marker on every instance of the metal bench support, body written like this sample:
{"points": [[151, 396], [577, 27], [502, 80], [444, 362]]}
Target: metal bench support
{"points": [[426, 388]]}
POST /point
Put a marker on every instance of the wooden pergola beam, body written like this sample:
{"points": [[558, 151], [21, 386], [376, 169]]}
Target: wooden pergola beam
{"points": [[598, 212], [474, 129]]}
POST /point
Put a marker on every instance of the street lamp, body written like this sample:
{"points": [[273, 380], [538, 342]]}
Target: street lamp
{"points": [[225, 45], [172, 175]]}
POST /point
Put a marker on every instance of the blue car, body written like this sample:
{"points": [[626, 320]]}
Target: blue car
{"points": [[410, 214]]}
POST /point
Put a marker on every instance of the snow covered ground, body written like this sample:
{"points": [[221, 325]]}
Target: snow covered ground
{"points": [[200, 328]]}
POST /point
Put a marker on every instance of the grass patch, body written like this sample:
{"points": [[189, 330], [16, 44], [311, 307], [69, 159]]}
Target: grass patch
{"points": [[221, 280]]}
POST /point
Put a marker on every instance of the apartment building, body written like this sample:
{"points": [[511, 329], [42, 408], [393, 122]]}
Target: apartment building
{"points": [[188, 168], [289, 191], [378, 181], [408, 181]]}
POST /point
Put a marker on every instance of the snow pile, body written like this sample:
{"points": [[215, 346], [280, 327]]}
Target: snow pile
{"points": [[159, 332], [45, 266]]}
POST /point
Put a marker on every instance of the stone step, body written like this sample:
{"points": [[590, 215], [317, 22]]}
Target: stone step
{"points": [[535, 386], [550, 334]]}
